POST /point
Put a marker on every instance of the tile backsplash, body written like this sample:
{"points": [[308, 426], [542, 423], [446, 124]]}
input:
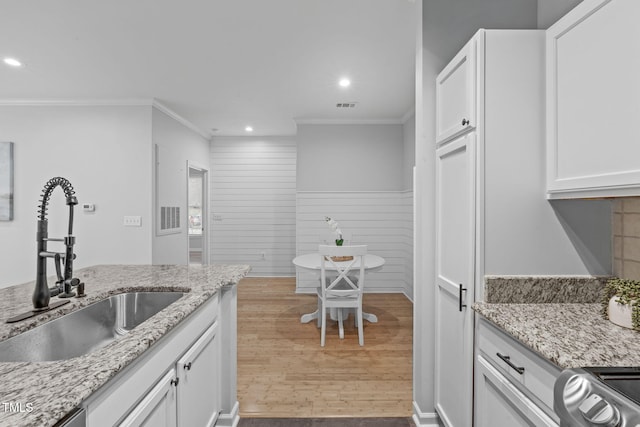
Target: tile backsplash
{"points": [[626, 238]]}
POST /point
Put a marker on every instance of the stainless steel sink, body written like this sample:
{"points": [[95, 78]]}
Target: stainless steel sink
{"points": [[87, 329]]}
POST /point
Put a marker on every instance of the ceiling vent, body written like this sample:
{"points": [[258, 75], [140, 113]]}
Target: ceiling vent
{"points": [[346, 104]]}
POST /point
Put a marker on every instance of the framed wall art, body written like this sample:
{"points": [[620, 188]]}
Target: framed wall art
{"points": [[6, 181]]}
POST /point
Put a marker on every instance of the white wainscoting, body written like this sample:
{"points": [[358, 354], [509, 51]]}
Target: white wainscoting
{"points": [[253, 197], [381, 219]]}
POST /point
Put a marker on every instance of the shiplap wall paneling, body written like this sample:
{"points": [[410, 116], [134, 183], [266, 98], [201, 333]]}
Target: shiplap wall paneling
{"points": [[382, 220], [253, 198]]}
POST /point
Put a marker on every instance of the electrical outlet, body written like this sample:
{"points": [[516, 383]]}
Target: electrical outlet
{"points": [[132, 221], [217, 217], [263, 255]]}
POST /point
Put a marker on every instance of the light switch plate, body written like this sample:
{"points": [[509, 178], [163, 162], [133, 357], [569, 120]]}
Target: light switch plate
{"points": [[132, 221]]}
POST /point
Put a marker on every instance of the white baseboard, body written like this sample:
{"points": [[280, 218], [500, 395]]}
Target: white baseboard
{"points": [[425, 419], [231, 419]]}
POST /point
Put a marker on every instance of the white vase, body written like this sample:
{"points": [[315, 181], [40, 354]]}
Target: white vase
{"points": [[620, 314]]}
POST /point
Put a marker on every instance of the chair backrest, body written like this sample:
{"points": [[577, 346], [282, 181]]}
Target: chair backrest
{"points": [[344, 284]]}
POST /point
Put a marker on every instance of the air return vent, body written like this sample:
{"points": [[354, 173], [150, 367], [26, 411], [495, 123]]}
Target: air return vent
{"points": [[346, 104]]}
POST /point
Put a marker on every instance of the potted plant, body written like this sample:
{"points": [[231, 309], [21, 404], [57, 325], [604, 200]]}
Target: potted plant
{"points": [[621, 302], [335, 227]]}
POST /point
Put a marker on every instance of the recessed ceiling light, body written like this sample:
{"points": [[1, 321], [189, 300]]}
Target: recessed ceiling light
{"points": [[344, 82], [12, 62], [249, 129]]}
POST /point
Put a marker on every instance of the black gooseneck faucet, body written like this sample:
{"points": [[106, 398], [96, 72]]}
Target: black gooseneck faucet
{"points": [[65, 282]]}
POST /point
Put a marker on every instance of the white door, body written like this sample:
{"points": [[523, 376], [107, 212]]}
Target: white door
{"points": [[455, 230], [199, 385], [456, 95], [197, 214]]}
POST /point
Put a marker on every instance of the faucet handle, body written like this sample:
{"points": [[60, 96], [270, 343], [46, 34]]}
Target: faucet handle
{"points": [[69, 284], [81, 290]]}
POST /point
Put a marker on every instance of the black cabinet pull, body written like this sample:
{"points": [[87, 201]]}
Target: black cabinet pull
{"points": [[187, 366], [460, 304], [175, 381], [507, 360], [465, 122]]}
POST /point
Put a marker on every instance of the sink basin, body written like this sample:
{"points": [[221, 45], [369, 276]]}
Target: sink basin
{"points": [[85, 330]]}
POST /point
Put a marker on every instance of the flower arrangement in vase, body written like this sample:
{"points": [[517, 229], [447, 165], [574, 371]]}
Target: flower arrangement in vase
{"points": [[335, 227], [621, 302]]}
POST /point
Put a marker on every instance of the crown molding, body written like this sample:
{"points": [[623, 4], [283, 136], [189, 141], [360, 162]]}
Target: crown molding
{"points": [[175, 116], [407, 116], [124, 102], [348, 121]]}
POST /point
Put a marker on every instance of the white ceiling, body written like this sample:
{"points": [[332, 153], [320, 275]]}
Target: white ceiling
{"points": [[218, 63]]}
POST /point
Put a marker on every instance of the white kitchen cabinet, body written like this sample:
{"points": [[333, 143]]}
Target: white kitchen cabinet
{"points": [[199, 382], [593, 101], [456, 95], [188, 395], [513, 385], [177, 380], [492, 216], [158, 408], [455, 250]]}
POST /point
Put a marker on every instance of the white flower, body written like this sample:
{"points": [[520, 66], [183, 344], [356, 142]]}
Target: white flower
{"points": [[334, 226]]}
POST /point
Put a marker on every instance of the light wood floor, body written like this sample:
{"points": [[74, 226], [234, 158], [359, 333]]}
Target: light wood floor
{"points": [[283, 371]]}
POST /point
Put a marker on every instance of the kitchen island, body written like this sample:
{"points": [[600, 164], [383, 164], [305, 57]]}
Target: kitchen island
{"points": [[42, 393]]}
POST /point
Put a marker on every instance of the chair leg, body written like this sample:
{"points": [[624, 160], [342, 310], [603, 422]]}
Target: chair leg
{"points": [[323, 313], [360, 326], [340, 323], [319, 320]]}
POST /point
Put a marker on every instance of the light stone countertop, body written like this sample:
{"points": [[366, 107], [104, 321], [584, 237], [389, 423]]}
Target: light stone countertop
{"points": [[53, 389], [569, 335]]}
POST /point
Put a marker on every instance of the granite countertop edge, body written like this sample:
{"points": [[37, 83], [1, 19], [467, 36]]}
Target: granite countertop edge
{"points": [[570, 335], [44, 392]]}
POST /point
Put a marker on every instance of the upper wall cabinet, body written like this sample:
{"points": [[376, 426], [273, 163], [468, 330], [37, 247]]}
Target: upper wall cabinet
{"points": [[456, 95], [593, 101]]}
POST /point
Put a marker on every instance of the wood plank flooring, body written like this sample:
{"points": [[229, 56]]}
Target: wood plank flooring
{"points": [[283, 372]]}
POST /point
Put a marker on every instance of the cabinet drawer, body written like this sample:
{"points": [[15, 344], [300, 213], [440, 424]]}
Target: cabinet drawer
{"points": [[500, 403], [530, 372]]}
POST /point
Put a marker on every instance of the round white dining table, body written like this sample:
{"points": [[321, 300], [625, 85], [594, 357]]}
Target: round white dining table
{"points": [[311, 262]]}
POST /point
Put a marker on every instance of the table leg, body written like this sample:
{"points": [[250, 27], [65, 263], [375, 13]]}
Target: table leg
{"points": [[370, 317], [306, 318]]}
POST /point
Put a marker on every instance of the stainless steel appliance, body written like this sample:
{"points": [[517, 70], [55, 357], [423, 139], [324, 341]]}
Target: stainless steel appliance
{"points": [[608, 397]]}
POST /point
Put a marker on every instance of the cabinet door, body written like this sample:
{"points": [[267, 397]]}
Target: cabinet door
{"points": [[456, 95], [158, 408], [199, 382], [455, 241], [500, 403], [593, 100]]}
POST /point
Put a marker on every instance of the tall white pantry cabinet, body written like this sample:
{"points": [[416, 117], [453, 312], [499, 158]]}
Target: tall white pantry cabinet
{"points": [[492, 216]]}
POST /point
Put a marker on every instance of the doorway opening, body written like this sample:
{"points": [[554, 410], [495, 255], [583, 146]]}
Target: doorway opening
{"points": [[197, 213]]}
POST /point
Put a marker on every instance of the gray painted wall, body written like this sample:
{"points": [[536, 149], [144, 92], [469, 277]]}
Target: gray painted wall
{"points": [[350, 157], [549, 11], [179, 145], [105, 151]]}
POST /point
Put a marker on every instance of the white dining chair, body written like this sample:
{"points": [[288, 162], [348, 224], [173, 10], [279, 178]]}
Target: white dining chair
{"points": [[339, 287]]}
